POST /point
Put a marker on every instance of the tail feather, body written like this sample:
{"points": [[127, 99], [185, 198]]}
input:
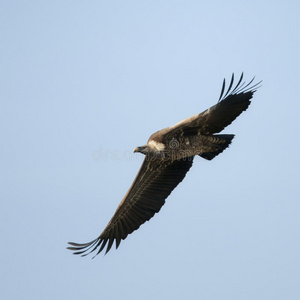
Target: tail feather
{"points": [[217, 144]]}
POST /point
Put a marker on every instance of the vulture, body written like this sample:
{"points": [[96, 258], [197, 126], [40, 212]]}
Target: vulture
{"points": [[169, 155]]}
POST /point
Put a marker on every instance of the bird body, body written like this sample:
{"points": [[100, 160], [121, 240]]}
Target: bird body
{"points": [[169, 155]]}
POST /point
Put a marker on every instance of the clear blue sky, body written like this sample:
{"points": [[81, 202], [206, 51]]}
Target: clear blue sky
{"points": [[83, 83]]}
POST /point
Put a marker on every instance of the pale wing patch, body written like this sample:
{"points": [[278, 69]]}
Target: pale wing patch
{"points": [[186, 121], [183, 122], [156, 145]]}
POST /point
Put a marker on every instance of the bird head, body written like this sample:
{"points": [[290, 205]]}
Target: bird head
{"points": [[142, 149]]}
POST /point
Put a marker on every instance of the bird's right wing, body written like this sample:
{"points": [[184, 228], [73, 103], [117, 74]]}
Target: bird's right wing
{"points": [[154, 182], [213, 120]]}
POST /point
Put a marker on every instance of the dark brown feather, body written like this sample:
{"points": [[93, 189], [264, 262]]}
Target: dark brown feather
{"points": [[145, 198], [217, 117], [158, 177]]}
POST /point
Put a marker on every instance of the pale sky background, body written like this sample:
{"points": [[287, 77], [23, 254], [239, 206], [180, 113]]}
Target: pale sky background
{"points": [[83, 83]]}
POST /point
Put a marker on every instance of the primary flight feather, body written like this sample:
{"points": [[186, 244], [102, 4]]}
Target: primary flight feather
{"points": [[169, 155]]}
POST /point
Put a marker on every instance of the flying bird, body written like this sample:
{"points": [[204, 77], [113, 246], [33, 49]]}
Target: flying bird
{"points": [[169, 155]]}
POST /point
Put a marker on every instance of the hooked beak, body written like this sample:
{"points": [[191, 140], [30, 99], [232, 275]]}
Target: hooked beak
{"points": [[136, 149], [141, 149]]}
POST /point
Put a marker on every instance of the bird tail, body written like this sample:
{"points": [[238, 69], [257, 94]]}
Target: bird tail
{"points": [[216, 144]]}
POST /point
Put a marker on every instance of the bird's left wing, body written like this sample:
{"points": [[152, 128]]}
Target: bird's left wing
{"points": [[154, 182]]}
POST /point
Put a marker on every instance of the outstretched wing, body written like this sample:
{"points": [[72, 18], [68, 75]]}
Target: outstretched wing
{"points": [[154, 182], [213, 120]]}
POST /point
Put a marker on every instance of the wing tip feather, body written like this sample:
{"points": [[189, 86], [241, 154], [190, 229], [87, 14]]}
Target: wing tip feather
{"points": [[87, 248], [240, 88]]}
